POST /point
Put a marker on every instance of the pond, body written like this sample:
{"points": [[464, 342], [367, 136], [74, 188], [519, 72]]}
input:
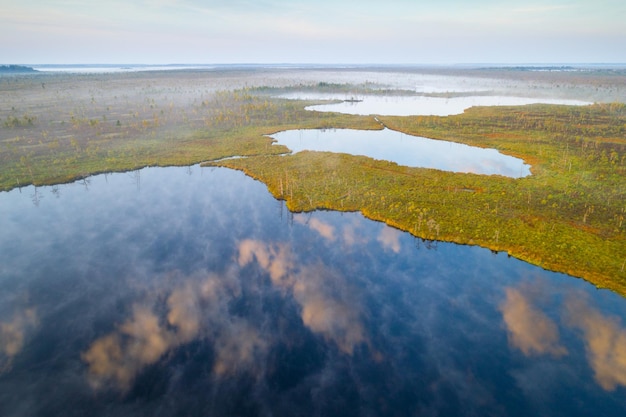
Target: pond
{"points": [[406, 150], [191, 291], [418, 105]]}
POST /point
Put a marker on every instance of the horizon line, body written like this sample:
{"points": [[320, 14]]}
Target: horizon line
{"points": [[325, 64]]}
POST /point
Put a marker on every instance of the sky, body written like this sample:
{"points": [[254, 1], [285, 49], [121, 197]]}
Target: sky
{"points": [[305, 31]]}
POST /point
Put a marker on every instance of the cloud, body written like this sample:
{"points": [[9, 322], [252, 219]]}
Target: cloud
{"points": [[148, 340], [540, 8], [327, 308], [605, 342], [106, 361], [195, 309], [325, 230], [118, 357], [389, 238], [529, 329], [298, 31], [276, 259], [325, 301], [184, 311], [240, 346], [351, 233], [198, 308], [13, 334], [350, 237]]}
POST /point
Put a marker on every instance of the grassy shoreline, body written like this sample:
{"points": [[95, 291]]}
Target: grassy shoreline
{"points": [[563, 219], [567, 217]]}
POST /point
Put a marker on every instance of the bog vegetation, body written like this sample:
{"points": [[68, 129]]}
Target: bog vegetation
{"points": [[569, 216]]}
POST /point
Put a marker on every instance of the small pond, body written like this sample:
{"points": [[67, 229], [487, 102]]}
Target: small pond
{"points": [[407, 150], [191, 291]]}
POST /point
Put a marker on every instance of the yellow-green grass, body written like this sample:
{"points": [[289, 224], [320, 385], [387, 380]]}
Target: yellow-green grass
{"points": [[568, 216]]}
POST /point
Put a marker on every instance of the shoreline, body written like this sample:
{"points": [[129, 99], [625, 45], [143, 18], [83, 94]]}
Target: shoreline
{"points": [[565, 218]]}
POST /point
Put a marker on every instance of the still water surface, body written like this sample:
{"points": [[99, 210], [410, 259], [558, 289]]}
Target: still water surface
{"points": [[418, 105], [406, 150], [189, 291]]}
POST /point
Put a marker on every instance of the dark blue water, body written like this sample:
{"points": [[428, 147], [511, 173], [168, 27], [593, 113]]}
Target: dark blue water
{"points": [[189, 291]]}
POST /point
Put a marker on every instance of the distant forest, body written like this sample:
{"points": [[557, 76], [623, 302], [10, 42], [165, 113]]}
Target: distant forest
{"points": [[15, 68]]}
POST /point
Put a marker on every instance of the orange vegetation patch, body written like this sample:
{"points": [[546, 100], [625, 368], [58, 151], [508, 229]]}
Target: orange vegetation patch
{"points": [[531, 220], [390, 170], [616, 140], [586, 228], [501, 135]]}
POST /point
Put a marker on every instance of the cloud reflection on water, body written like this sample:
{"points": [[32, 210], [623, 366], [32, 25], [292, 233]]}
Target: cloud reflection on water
{"points": [[325, 230], [531, 331], [389, 238], [200, 307], [605, 341], [197, 308], [327, 307], [13, 334]]}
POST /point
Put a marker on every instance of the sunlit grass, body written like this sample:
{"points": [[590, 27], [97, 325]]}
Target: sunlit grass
{"points": [[568, 216]]}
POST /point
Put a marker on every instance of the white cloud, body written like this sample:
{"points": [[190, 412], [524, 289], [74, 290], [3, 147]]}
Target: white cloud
{"points": [[540, 8], [389, 238], [13, 334], [327, 307], [605, 342], [196, 309], [325, 230], [529, 329]]}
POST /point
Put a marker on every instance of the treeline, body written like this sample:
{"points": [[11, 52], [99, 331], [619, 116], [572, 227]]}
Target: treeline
{"points": [[16, 69]]}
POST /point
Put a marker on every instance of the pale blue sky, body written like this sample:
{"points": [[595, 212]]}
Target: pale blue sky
{"points": [[301, 31]]}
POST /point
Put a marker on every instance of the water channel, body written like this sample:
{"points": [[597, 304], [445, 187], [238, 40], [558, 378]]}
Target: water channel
{"points": [[191, 291]]}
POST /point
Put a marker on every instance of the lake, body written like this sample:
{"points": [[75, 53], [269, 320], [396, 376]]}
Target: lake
{"points": [[419, 105], [191, 291], [407, 150]]}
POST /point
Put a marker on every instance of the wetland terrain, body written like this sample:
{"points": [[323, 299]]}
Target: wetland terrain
{"points": [[144, 274], [567, 216]]}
